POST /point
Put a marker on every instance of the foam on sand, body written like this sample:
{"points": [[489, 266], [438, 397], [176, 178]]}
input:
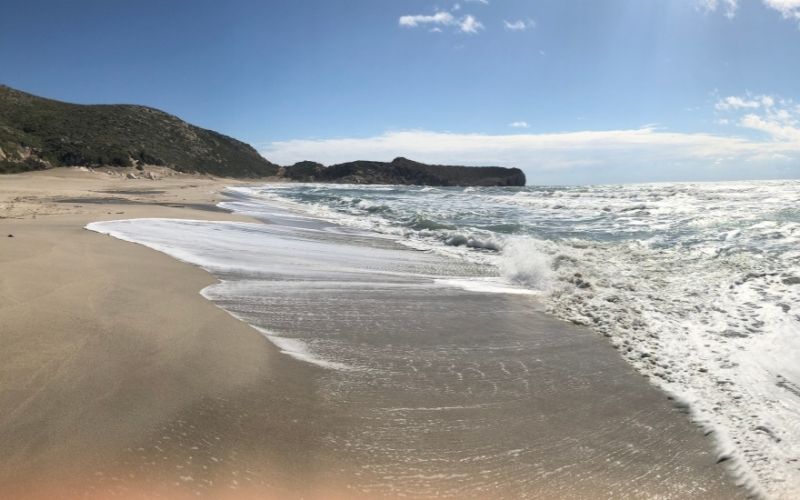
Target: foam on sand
{"points": [[696, 284], [394, 328], [299, 350]]}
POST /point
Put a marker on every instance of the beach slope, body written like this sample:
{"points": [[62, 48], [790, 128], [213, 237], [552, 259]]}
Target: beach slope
{"points": [[118, 377]]}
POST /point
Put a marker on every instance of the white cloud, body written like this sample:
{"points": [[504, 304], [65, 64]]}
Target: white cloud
{"points": [[766, 144], [443, 18], [467, 24], [790, 9], [729, 6], [484, 2], [519, 25], [747, 102], [778, 128], [470, 25], [584, 156], [778, 118]]}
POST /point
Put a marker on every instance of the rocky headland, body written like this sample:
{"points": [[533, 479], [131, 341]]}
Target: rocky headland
{"points": [[38, 134]]}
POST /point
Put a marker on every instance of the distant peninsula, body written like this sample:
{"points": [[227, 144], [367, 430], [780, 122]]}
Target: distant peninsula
{"points": [[38, 133], [404, 171]]}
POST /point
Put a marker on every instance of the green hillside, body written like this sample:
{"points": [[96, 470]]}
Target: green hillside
{"points": [[38, 133]]}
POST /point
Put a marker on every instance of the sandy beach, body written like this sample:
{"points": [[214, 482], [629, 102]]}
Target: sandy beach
{"points": [[117, 378], [107, 345]]}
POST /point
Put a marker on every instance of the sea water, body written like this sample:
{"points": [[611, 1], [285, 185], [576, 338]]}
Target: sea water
{"points": [[696, 285]]}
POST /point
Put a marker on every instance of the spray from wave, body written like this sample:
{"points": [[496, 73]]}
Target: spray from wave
{"points": [[696, 285], [523, 262]]}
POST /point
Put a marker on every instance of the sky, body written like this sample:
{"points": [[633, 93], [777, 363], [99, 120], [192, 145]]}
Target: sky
{"points": [[571, 91]]}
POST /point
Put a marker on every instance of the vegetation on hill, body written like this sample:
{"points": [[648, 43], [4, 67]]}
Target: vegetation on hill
{"points": [[38, 133], [404, 171]]}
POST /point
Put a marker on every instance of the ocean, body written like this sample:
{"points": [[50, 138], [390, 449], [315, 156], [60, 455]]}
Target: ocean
{"points": [[696, 286]]}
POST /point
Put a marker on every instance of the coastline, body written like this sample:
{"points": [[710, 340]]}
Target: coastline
{"points": [[108, 345], [112, 348]]}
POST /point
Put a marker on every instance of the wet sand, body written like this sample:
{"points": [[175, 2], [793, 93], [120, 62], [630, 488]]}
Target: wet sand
{"points": [[118, 378]]}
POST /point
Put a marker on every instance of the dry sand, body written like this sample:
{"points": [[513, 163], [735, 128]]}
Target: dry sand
{"points": [[118, 379], [106, 345]]}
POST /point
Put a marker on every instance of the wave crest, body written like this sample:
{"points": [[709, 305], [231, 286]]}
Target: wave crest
{"points": [[524, 261]]}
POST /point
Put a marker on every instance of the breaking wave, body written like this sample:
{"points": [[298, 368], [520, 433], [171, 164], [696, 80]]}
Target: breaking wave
{"points": [[697, 285]]}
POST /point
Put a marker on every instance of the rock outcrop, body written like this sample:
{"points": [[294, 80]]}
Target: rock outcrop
{"points": [[38, 133], [404, 171]]}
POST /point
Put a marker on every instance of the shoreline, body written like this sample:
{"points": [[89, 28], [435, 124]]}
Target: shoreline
{"points": [[109, 345], [201, 377]]}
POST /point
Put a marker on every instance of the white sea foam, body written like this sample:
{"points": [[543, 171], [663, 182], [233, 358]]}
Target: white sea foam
{"points": [[695, 284], [522, 261], [210, 245], [257, 255], [299, 350], [486, 285]]}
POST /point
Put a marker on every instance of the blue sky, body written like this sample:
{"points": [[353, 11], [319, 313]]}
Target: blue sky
{"points": [[571, 91]]}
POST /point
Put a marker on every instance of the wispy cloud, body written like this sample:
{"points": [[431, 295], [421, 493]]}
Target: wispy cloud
{"points": [[790, 9], [519, 25], [728, 6], [781, 129], [645, 153], [443, 18], [484, 2], [466, 24], [763, 141], [777, 118], [470, 25], [746, 102]]}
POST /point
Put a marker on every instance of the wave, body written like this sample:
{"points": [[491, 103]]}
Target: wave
{"points": [[695, 284], [524, 262]]}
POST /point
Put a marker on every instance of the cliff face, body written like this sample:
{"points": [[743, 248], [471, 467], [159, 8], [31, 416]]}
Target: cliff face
{"points": [[38, 133], [404, 171]]}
